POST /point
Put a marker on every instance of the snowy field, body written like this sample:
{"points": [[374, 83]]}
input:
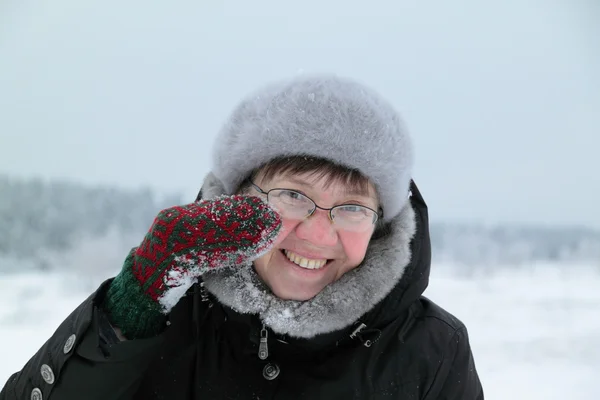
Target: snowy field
{"points": [[535, 333]]}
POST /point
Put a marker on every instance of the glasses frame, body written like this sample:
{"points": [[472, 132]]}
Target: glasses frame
{"points": [[329, 210]]}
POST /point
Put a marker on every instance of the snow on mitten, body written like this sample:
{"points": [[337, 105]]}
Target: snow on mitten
{"points": [[183, 243]]}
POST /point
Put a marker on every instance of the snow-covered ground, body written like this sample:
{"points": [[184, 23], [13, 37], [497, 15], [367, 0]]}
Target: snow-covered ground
{"points": [[535, 332]]}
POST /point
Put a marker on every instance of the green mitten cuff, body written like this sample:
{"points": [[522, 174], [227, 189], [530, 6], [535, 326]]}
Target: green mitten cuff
{"points": [[129, 308]]}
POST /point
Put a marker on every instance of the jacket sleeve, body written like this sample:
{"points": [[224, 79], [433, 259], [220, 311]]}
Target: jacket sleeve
{"points": [[76, 363], [457, 376]]}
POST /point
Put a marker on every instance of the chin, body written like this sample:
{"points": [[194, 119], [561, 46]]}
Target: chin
{"points": [[294, 294]]}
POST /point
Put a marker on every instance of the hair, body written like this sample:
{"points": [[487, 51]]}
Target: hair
{"points": [[317, 168]]}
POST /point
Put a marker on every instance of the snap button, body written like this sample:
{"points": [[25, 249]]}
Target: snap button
{"points": [[36, 394], [271, 371], [69, 344], [47, 374]]}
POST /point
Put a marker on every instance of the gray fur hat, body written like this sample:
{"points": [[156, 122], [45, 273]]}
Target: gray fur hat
{"points": [[321, 116]]}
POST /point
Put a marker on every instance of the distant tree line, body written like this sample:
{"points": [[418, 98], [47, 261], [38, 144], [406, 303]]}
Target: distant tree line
{"points": [[36, 214], [38, 217]]}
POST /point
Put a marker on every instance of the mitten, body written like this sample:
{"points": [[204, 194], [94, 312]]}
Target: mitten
{"points": [[183, 243]]}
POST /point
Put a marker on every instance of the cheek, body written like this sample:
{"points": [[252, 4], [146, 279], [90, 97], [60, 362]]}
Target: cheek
{"points": [[261, 264], [355, 246], [288, 226]]}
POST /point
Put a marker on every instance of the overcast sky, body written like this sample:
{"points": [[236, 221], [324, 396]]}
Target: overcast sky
{"points": [[503, 99]]}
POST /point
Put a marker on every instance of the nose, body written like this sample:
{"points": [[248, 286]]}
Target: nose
{"points": [[318, 229]]}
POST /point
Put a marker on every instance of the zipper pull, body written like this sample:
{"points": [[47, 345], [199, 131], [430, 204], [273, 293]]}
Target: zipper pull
{"points": [[356, 332], [263, 347]]}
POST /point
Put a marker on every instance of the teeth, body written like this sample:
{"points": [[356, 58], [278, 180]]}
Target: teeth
{"points": [[304, 262]]}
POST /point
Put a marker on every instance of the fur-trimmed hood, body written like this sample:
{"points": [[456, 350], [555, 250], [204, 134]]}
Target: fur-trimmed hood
{"points": [[394, 273]]}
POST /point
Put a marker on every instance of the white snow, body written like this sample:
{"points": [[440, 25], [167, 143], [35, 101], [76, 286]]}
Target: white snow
{"points": [[177, 281], [534, 332]]}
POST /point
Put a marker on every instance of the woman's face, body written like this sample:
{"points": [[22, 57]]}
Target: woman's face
{"points": [[313, 252]]}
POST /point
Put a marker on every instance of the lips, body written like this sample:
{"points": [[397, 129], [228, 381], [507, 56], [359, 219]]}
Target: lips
{"points": [[304, 262]]}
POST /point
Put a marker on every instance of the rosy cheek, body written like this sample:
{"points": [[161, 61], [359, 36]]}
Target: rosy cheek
{"points": [[288, 226], [355, 244]]}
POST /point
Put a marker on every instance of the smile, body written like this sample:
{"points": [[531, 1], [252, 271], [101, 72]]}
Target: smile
{"points": [[304, 262]]}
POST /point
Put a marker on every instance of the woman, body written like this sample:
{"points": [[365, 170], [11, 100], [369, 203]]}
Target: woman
{"points": [[297, 274]]}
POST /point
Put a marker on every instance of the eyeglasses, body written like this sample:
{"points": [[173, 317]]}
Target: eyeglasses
{"points": [[295, 205]]}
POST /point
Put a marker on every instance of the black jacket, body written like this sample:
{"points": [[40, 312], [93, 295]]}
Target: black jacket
{"points": [[406, 347]]}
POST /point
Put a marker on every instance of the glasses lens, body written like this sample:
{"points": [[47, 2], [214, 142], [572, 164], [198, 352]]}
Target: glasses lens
{"points": [[353, 217], [291, 204]]}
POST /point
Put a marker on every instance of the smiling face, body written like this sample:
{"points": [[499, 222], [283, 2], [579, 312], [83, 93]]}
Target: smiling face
{"points": [[312, 252]]}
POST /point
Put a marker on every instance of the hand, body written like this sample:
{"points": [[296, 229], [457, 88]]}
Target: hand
{"points": [[183, 243]]}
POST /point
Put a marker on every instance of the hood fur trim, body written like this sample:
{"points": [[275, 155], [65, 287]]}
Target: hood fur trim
{"points": [[339, 304]]}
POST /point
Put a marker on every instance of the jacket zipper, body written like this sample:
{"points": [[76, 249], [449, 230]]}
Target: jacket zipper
{"points": [[263, 347]]}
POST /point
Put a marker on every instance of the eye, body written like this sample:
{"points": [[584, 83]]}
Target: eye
{"points": [[291, 197], [353, 212]]}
